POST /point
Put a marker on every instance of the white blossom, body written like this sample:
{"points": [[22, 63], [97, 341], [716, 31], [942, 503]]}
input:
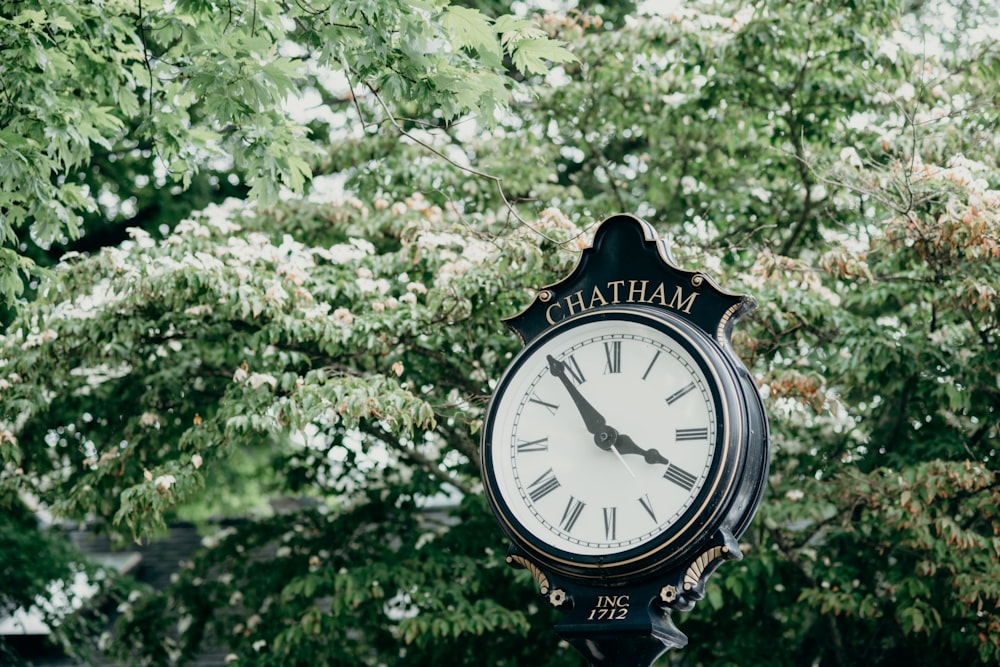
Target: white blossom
{"points": [[317, 311], [220, 215], [89, 305], [7, 436], [450, 270], [202, 261], [888, 48], [343, 316], [851, 157], [674, 99], [438, 240], [36, 339], [256, 380], [276, 292], [742, 17], [905, 91], [190, 227], [477, 252], [164, 482], [142, 238], [554, 217]]}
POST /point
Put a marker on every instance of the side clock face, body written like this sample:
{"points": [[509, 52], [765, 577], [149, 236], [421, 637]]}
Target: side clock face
{"points": [[607, 442]]}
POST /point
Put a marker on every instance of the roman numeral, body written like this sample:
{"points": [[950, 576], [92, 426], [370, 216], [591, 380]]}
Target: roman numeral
{"points": [[650, 367], [692, 434], [680, 393], [610, 522], [647, 505], [540, 445], [544, 485], [680, 477], [552, 407], [571, 514], [613, 355], [573, 369]]}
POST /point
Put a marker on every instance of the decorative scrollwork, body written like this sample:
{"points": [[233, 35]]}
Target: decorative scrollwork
{"points": [[726, 316], [540, 579], [545, 296], [697, 279], [697, 568]]}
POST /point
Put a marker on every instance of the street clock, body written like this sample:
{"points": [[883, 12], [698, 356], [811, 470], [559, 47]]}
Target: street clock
{"points": [[625, 447]]}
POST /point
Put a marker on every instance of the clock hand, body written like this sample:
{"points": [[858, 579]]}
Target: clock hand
{"points": [[627, 446], [604, 436], [591, 417], [622, 459]]}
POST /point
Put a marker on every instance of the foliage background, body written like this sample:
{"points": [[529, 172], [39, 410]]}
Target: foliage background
{"points": [[214, 299]]}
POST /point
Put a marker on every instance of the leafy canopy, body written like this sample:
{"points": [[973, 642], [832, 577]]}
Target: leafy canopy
{"points": [[175, 88], [339, 348]]}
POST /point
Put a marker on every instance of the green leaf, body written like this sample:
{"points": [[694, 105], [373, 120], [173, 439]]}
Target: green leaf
{"points": [[471, 28], [529, 55], [34, 16]]}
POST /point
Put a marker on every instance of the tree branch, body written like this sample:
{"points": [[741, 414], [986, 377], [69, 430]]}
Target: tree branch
{"points": [[429, 466], [495, 180]]}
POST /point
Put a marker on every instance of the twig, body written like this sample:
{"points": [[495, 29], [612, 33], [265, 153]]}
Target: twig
{"points": [[145, 57], [424, 463], [496, 180]]}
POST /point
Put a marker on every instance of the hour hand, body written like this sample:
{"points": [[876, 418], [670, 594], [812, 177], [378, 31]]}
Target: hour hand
{"points": [[592, 418], [626, 445]]}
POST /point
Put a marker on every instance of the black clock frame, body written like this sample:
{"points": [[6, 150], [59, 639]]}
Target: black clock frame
{"points": [[711, 509]]}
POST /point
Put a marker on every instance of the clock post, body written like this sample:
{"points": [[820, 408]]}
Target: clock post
{"points": [[625, 449]]}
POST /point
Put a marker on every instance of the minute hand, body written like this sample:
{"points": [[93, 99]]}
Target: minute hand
{"points": [[592, 418]]}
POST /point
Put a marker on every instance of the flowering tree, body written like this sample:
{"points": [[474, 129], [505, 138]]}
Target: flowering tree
{"points": [[192, 96], [340, 349]]}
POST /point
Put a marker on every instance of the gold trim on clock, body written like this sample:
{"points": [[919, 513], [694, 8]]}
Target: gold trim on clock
{"points": [[541, 580], [698, 567]]}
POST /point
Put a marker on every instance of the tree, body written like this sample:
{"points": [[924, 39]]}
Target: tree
{"points": [[818, 156], [192, 96]]}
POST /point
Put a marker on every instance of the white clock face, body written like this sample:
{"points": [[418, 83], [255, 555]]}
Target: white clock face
{"points": [[604, 436]]}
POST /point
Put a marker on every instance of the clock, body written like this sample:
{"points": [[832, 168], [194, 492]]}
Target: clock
{"points": [[626, 441], [609, 444]]}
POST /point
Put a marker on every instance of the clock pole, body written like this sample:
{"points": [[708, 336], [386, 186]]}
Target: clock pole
{"points": [[634, 633], [629, 624], [622, 650], [629, 357]]}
